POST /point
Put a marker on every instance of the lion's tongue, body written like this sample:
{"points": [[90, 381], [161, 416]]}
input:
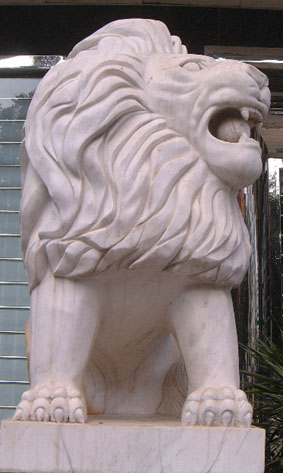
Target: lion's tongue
{"points": [[231, 129], [229, 126]]}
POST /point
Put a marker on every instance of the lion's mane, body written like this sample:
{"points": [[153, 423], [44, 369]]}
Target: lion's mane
{"points": [[107, 182]]}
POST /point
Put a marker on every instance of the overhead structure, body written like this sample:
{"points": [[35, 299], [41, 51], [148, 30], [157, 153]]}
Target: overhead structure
{"points": [[265, 4]]}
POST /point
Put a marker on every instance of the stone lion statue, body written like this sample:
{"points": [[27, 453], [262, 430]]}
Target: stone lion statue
{"points": [[133, 155]]}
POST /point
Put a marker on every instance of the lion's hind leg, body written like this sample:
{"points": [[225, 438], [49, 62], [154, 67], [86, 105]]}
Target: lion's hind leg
{"points": [[202, 319], [65, 317], [223, 406]]}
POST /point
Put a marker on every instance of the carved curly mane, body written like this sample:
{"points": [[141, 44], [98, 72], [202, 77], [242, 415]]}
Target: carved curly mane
{"points": [[107, 182]]}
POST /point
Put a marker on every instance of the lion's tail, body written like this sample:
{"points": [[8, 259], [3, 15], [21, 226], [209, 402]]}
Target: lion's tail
{"points": [[175, 390]]}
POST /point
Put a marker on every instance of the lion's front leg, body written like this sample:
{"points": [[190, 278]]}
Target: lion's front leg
{"points": [[64, 320], [203, 321]]}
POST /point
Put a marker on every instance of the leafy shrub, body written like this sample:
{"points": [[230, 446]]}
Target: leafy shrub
{"points": [[265, 387]]}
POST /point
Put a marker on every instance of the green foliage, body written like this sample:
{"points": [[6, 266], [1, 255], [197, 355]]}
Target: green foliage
{"points": [[265, 386]]}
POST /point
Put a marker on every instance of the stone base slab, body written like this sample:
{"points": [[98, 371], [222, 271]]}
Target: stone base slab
{"points": [[126, 445]]}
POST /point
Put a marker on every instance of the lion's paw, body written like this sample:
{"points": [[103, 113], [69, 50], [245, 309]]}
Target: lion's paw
{"points": [[213, 407], [57, 404]]}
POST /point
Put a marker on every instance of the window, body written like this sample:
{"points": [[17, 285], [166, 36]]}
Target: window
{"points": [[19, 77]]}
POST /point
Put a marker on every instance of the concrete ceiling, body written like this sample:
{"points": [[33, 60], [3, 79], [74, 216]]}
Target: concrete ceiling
{"points": [[269, 60], [265, 4]]}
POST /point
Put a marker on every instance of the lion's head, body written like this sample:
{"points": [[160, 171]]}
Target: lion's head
{"points": [[133, 155]]}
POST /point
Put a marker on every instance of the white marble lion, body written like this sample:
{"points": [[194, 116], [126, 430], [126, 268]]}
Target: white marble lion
{"points": [[133, 155]]}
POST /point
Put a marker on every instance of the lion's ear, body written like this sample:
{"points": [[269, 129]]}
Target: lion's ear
{"points": [[178, 47]]}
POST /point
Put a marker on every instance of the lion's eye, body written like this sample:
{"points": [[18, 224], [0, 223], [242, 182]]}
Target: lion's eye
{"points": [[190, 66]]}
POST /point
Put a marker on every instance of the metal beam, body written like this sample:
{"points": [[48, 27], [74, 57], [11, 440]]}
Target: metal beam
{"points": [[256, 4]]}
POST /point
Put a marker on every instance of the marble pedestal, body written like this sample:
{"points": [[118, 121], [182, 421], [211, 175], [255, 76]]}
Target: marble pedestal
{"points": [[126, 445]]}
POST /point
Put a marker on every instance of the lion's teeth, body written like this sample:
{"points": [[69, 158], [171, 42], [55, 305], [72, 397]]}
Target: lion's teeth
{"points": [[245, 113], [244, 138]]}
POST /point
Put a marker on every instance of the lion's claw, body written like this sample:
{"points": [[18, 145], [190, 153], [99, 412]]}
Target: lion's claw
{"points": [[245, 412], [227, 417], [57, 404], [77, 411], [22, 411], [79, 416], [40, 409], [224, 406], [209, 417], [41, 415], [190, 413], [59, 409], [248, 419], [59, 415]]}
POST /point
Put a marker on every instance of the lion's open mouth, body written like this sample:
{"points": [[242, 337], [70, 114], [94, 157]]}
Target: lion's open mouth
{"points": [[235, 126]]}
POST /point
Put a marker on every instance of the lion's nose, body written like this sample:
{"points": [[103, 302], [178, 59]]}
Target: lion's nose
{"points": [[260, 78], [265, 97]]}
